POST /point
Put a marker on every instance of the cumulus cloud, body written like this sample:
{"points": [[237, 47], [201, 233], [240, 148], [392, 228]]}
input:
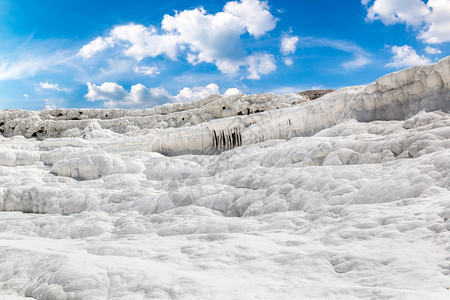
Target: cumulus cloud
{"points": [[137, 41], [438, 22], [411, 12], [53, 103], [97, 45], [253, 14], [51, 86], [115, 96], [430, 19], [289, 44], [141, 42], [288, 61], [232, 91], [196, 93], [431, 50], [198, 36], [106, 91], [406, 56], [260, 64], [209, 38]]}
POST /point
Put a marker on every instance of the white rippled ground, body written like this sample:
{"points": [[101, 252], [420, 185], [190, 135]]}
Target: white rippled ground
{"points": [[359, 210]]}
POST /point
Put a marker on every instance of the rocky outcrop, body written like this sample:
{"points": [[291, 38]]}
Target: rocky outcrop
{"points": [[315, 94], [76, 122]]}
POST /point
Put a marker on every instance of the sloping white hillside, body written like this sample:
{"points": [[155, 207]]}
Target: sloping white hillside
{"points": [[240, 197]]}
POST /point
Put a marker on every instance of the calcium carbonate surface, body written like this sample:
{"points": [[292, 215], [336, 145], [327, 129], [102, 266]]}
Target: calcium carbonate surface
{"points": [[240, 197]]}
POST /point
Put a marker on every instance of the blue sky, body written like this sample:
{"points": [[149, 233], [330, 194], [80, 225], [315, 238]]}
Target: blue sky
{"points": [[137, 54]]}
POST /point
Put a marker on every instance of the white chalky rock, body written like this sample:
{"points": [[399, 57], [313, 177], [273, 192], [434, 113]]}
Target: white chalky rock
{"points": [[15, 157], [93, 166]]}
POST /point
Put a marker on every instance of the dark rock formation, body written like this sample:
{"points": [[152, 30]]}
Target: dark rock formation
{"points": [[315, 94]]}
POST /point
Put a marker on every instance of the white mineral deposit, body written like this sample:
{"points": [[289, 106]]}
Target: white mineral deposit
{"points": [[233, 197]]}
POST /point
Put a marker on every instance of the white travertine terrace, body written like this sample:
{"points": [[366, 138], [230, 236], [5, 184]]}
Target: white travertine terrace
{"points": [[241, 197]]}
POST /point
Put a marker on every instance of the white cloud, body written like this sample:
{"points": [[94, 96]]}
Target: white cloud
{"points": [[411, 12], [406, 56], [95, 46], [26, 96], [107, 91], [438, 22], [53, 103], [195, 34], [232, 91], [142, 42], [115, 96], [51, 86], [430, 19], [253, 14], [48, 107], [196, 93], [288, 61], [209, 38], [146, 70], [137, 41], [289, 44], [260, 64], [431, 50]]}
